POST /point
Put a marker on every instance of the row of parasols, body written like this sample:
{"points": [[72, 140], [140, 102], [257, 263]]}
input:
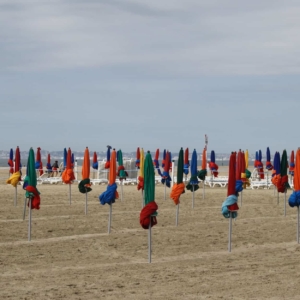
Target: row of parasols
{"points": [[237, 180]]}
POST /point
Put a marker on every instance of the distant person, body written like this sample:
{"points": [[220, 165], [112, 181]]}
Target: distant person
{"points": [[54, 168]]}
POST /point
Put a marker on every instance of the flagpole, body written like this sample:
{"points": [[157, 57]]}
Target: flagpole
{"points": [[149, 242], [109, 217], [29, 220], [230, 230]]}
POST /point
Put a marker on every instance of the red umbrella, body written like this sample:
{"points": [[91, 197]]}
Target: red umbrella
{"points": [[292, 163], [155, 162], [38, 161], [68, 174]]}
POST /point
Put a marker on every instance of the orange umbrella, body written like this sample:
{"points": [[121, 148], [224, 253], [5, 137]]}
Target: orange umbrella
{"points": [[85, 184], [113, 168], [68, 175]]}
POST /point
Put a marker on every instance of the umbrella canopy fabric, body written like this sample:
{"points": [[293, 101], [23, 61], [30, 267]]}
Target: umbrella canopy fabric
{"points": [[30, 182], [203, 172], [259, 165], [84, 185], [122, 174], [155, 162], [65, 158], [16, 176], [212, 164], [149, 212], [165, 175], [107, 164], [111, 194], [95, 161], [68, 174], [230, 206], [178, 187], [269, 165], [11, 161], [248, 173], [292, 163], [140, 185], [138, 157], [193, 183], [282, 179], [164, 158], [294, 199], [49, 166], [186, 165], [38, 162]]}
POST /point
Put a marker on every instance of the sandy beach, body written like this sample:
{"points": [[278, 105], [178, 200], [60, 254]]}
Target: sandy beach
{"points": [[71, 255]]}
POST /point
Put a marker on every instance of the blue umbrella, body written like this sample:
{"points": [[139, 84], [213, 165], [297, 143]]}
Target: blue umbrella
{"points": [[269, 166], [193, 183], [212, 164], [11, 161], [65, 158], [163, 160]]}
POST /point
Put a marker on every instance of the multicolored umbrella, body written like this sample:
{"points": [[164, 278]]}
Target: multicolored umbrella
{"points": [[107, 164], [230, 206], [149, 211], [178, 187], [84, 185], [155, 162], [140, 185], [111, 194], [292, 163], [138, 158], [15, 178], [186, 165], [49, 166], [95, 163], [31, 193], [294, 199], [68, 174], [11, 161], [212, 164], [165, 175], [38, 162], [248, 173], [122, 174], [269, 165]]}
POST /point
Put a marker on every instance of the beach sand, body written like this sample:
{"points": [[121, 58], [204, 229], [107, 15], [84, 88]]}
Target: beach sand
{"points": [[71, 256]]}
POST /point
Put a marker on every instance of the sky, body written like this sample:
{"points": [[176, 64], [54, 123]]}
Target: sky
{"points": [[151, 74]]}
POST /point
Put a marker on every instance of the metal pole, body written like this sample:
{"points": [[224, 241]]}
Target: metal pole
{"points": [[177, 214], [24, 211], [229, 234], [109, 217], [241, 198], [165, 191], [86, 207], [143, 199], [285, 203], [193, 198], [149, 242], [29, 220], [16, 195], [203, 196], [298, 224], [70, 194], [121, 184], [277, 197], [173, 166]]}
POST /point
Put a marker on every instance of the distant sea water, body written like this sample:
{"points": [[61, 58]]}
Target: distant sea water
{"points": [[3, 162]]}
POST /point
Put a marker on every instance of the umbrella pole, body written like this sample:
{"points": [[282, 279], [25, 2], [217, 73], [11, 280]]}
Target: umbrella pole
{"points": [[165, 191], [267, 180], [277, 197], [241, 198], [121, 183], [203, 196], [285, 203], [109, 217], [70, 194], [16, 195], [29, 220], [149, 243], [298, 224], [177, 214], [229, 234], [142, 199], [24, 211], [86, 204], [193, 198]]}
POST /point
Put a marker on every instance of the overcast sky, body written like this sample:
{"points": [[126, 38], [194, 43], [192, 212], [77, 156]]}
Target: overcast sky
{"points": [[151, 74]]}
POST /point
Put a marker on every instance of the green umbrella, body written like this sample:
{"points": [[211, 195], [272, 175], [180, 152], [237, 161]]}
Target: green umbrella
{"points": [[179, 187], [149, 211], [31, 193], [284, 177]]}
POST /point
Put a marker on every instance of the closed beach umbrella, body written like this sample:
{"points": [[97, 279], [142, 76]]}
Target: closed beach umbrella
{"points": [[30, 183], [107, 164], [212, 164], [122, 174], [138, 157], [283, 182], [186, 162], [11, 161], [49, 166], [149, 212], [164, 158], [95, 163], [193, 183], [111, 194], [178, 187], [165, 175], [294, 199], [269, 165], [203, 172], [68, 174], [292, 163], [84, 185], [38, 162], [155, 162], [65, 158]]}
